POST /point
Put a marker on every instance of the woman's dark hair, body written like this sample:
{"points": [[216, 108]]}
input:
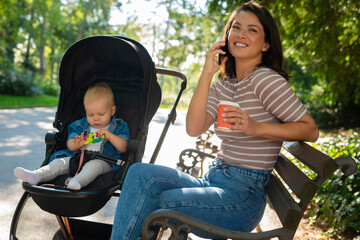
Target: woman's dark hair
{"points": [[273, 57]]}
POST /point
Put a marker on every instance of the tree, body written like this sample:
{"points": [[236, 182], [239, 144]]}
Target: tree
{"points": [[35, 34], [185, 38], [12, 14]]}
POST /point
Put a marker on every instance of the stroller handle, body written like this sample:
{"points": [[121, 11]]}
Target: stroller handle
{"points": [[172, 115], [173, 73]]}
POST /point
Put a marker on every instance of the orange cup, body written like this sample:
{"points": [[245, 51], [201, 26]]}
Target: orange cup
{"points": [[221, 125]]}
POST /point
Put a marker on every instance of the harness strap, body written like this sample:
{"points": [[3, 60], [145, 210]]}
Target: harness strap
{"points": [[81, 160]]}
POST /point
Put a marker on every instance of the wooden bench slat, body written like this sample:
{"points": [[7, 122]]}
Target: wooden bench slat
{"points": [[317, 161], [286, 208], [302, 186]]}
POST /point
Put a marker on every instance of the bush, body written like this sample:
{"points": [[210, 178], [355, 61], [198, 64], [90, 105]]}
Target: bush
{"points": [[20, 84], [52, 90], [168, 100], [48, 87], [338, 201]]}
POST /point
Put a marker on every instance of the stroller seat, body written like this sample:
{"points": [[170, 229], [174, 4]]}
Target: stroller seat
{"points": [[54, 197]]}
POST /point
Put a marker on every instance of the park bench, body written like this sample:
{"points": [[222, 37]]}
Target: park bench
{"points": [[289, 191]]}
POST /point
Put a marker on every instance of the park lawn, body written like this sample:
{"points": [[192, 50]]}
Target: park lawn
{"points": [[13, 102]]}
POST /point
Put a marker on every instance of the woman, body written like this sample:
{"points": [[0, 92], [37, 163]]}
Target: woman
{"points": [[232, 193]]}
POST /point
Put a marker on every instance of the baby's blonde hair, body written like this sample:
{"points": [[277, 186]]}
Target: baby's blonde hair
{"points": [[97, 90]]}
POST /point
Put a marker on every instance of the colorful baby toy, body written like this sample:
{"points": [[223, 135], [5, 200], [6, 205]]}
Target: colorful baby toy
{"points": [[93, 138]]}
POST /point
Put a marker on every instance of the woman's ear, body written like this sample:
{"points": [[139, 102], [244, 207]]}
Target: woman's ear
{"points": [[265, 47]]}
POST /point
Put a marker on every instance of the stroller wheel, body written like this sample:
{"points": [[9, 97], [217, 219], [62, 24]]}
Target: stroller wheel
{"points": [[59, 235]]}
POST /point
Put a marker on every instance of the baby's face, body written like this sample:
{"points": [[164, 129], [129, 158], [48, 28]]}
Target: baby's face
{"points": [[99, 112]]}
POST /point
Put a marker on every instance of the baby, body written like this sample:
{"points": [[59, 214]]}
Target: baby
{"points": [[100, 110]]}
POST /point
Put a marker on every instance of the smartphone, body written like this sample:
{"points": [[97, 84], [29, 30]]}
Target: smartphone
{"points": [[224, 48]]}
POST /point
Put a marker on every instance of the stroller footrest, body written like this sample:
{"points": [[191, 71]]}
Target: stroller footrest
{"points": [[69, 203]]}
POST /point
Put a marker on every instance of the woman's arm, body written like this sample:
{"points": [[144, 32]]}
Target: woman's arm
{"points": [[197, 119], [305, 129]]}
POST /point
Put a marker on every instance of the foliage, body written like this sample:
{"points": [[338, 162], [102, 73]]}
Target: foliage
{"points": [[311, 93], [326, 43], [300, 80], [35, 34], [193, 30], [21, 84], [338, 201], [169, 98], [51, 89], [17, 83]]}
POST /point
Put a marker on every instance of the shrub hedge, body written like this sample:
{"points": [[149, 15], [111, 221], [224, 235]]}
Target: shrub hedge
{"points": [[338, 201], [17, 83]]}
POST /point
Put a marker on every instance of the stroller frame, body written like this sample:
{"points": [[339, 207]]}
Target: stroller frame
{"points": [[70, 227]]}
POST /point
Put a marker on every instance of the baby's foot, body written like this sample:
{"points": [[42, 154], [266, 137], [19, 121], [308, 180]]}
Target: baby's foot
{"points": [[26, 175], [74, 184]]}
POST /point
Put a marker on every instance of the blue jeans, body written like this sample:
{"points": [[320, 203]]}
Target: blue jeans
{"points": [[228, 196]]}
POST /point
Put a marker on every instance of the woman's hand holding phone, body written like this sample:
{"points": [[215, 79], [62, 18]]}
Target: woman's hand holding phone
{"points": [[211, 65], [225, 49]]}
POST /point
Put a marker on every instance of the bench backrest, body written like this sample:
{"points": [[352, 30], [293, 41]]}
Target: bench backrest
{"points": [[291, 200]]}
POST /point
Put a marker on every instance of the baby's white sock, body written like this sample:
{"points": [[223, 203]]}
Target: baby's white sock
{"points": [[26, 175], [74, 184]]}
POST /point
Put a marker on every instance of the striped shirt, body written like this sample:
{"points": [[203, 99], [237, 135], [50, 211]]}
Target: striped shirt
{"points": [[266, 97]]}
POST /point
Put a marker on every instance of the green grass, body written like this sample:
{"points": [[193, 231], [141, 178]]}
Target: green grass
{"points": [[11, 102], [14, 102]]}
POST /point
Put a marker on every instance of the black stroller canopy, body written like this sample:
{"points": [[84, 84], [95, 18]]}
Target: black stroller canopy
{"points": [[123, 63]]}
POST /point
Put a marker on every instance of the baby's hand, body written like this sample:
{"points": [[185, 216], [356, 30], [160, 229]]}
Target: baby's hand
{"points": [[104, 132], [80, 140], [118, 142]]}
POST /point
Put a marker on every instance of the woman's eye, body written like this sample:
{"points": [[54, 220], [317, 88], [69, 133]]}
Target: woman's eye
{"points": [[253, 30]]}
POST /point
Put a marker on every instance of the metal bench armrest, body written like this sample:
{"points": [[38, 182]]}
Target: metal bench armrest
{"points": [[347, 164], [181, 225]]}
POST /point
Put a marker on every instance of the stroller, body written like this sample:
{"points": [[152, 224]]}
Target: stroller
{"points": [[125, 65]]}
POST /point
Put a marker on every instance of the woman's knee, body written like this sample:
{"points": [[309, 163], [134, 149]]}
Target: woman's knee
{"points": [[135, 169], [143, 169]]}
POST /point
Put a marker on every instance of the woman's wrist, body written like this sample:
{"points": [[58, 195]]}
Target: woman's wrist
{"points": [[206, 76]]}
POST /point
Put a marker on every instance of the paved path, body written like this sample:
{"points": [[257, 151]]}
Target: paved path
{"points": [[22, 144]]}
